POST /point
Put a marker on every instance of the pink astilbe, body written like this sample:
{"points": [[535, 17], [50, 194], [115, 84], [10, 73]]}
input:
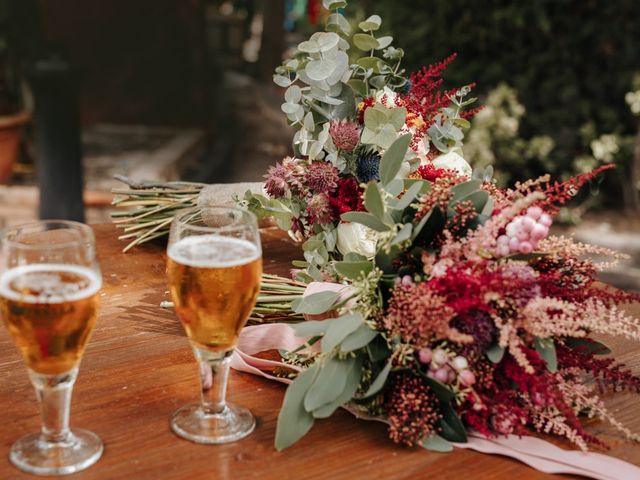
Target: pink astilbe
{"points": [[345, 134], [284, 178], [549, 317], [420, 316], [564, 247], [319, 210]]}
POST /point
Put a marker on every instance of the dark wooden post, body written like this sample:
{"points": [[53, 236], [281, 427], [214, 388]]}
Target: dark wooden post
{"points": [[59, 162], [272, 43]]}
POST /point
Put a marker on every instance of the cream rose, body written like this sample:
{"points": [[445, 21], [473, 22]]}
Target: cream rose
{"points": [[453, 161], [356, 238]]}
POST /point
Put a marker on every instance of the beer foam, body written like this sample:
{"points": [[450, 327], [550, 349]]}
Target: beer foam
{"points": [[213, 251], [53, 290]]}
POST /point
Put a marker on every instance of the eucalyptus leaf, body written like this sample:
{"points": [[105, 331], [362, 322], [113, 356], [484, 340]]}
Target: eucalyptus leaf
{"points": [[293, 94], [403, 235], [320, 69], [373, 200], [366, 219], [293, 420], [338, 20], [392, 159], [334, 4], [339, 328], [371, 24], [435, 443], [384, 42], [410, 196], [372, 63], [281, 81], [365, 42], [351, 386], [495, 353], [360, 338], [315, 303], [463, 189], [311, 328], [547, 350], [353, 270], [329, 383], [379, 382]]}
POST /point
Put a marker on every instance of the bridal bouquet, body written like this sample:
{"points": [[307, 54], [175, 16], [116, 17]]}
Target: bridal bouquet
{"points": [[454, 308]]}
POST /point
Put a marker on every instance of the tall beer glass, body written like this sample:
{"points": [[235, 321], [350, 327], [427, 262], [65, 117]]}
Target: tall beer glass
{"points": [[214, 269], [49, 283]]}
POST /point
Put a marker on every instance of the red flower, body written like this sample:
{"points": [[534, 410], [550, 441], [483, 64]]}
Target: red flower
{"points": [[347, 198], [430, 173]]}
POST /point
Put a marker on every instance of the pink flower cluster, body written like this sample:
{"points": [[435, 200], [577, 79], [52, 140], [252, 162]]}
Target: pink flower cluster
{"points": [[524, 232]]}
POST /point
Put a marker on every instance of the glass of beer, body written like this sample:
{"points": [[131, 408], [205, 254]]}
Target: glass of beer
{"points": [[214, 269], [49, 284]]}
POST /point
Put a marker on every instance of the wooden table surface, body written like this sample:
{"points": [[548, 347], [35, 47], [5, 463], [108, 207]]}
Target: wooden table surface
{"points": [[138, 369]]}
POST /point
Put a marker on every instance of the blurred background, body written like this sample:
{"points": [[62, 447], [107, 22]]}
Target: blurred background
{"points": [[181, 89]]}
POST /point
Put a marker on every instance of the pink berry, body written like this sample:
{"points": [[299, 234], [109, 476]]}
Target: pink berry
{"points": [[425, 355], [525, 247], [539, 232], [440, 357], [528, 223], [503, 240], [442, 375], [511, 230], [514, 244], [522, 235], [503, 250], [467, 378], [407, 280], [545, 219], [534, 212], [459, 363]]}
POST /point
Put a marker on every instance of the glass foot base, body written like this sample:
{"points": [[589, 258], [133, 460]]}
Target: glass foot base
{"points": [[33, 454], [192, 423]]}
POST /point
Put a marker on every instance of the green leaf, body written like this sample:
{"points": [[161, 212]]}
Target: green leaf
{"points": [[371, 63], [495, 353], [394, 187], [354, 257], [337, 20], [410, 196], [392, 159], [351, 386], [374, 118], [329, 383], [463, 189], [365, 219], [358, 86], [547, 350], [444, 393], [378, 350], [371, 24], [451, 425], [334, 4], [312, 328], [339, 328], [365, 42], [403, 235], [315, 303], [379, 382], [373, 200], [587, 345], [294, 421], [299, 264], [384, 42], [436, 443], [359, 338], [353, 270], [397, 117], [320, 69], [462, 122]]}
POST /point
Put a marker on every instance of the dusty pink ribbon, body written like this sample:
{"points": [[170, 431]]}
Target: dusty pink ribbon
{"points": [[533, 451]]}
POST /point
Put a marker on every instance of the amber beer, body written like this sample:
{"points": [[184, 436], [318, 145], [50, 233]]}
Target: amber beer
{"points": [[214, 282], [49, 310]]}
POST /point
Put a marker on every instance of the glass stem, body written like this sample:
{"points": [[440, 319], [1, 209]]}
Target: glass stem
{"points": [[214, 371], [54, 395]]}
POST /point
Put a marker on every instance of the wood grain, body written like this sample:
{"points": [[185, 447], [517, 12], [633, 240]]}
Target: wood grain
{"points": [[138, 369]]}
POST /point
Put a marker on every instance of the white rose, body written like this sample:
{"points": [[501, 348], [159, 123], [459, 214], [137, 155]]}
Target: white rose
{"points": [[356, 238], [453, 161]]}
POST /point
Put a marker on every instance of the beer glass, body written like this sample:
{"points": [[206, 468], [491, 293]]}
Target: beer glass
{"points": [[49, 284], [214, 269]]}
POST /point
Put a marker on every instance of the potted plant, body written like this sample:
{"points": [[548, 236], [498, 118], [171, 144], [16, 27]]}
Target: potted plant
{"points": [[12, 115]]}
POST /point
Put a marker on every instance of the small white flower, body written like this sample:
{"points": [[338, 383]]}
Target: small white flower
{"points": [[356, 238], [453, 161], [391, 97]]}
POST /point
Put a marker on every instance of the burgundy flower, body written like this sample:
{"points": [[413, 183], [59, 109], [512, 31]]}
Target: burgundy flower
{"points": [[322, 177], [345, 134], [319, 210]]}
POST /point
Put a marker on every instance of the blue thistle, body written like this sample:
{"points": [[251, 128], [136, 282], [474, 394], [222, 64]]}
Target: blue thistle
{"points": [[406, 88], [368, 167]]}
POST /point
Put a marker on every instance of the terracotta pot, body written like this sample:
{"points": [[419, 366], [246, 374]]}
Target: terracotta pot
{"points": [[10, 133]]}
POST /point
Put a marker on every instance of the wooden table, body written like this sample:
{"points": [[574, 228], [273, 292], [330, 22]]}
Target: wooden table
{"points": [[138, 369]]}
